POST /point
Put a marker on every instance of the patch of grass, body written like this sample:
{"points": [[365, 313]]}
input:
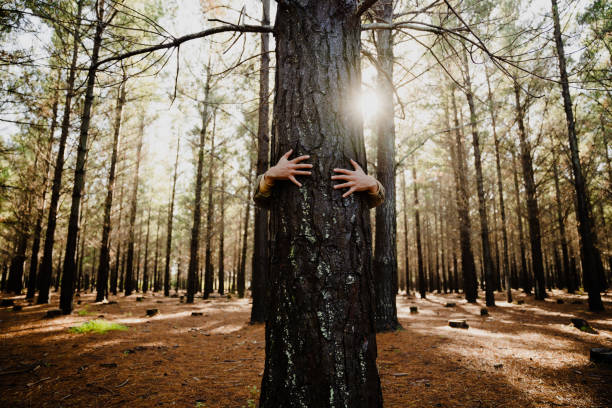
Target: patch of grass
{"points": [[97, 326], [84, 312], [254, 396]]}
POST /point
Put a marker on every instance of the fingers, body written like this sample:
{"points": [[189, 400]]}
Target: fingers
{"points": [[294, 181], [301, 158], [355, 165], [348, 193], [286, 155], [301, 173], [343, 171], [344, 185], [341, 177], [303, 166]]}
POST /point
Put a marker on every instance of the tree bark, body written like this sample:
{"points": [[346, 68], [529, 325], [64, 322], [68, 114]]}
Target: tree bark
{"points": [[115, 271], [406, 257], [591, 259], [129, 283], [320, 337], [241, 278], [222, 238], [145, 271], [565, 264], [261, 262], [67, 290], [170, 219], [533, 213], [417, 225], [385, 251], [46, 265], [208, 266], [489, 272], [156, 277], [523, 274]]}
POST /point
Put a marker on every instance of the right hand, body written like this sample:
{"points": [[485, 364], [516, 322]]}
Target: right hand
{"points": [[287, 169]]}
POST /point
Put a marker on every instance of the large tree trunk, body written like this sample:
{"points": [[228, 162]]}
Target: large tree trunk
{"points": [[500, 190], [533, 213], [130, 285], [489, 272], [261, 261], [241, 278], [170, 219], [470, 284], [67, 290], [591, 259], [194, 247], [320, 337], [32, 277], [46, 265], [102, 282], [208, 266], [385, 252]]}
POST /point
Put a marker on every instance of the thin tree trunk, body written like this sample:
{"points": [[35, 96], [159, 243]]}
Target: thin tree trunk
{"points": [[406, 257], [523, 275], [102, 281], [222, 237], [67, 290], [591, 260], [208, 266], [115, 272], [170, 219], [46, 265], [129, 271], [489, 274], [241, 279], [156, 277], [565, 265], [417, 225], [145, 272], [533, 213]]}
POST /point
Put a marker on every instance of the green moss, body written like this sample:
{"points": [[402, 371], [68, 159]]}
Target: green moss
{"points": [[97, 326]]}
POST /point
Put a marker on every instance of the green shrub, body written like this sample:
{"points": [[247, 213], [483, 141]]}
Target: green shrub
{"points": [[97, 326]]}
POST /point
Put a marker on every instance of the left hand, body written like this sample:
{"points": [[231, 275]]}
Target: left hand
{"points": [[356, 180]]}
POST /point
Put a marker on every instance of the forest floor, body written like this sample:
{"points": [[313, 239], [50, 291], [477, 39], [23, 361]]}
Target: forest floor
{"points": [[524, 355]]}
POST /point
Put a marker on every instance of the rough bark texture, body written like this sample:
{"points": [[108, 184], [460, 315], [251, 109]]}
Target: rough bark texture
{"points": [[533, 213], [46, 265], [130, 284], [194, 247], [102, 285], [385, 252], [69, 274], [320, 338], [489, 271], [591, 258], [470, 284], [261, 260], [170, 219]]}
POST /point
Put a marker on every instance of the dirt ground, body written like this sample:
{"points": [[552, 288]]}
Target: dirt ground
{"points": [[524, 355]]}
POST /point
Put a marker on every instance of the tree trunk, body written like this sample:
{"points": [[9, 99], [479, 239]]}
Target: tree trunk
{"points": [[533, 213], [591, 259], [470, 284], [170, 218], [417, 225], [406, 257], [565, 266], [67, 290], [489, 273], [145, 269], [102, 282], [222, 238], [208, 266], [32, 277], [129, 268], [115, 271], [320, 337], [261, 261], [500, 190], [156, 277], [46, 265], [15, 277], [240, 281]]}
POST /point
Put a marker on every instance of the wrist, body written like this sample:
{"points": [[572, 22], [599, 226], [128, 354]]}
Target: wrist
{"points": [[374, 188], [268, 179]]}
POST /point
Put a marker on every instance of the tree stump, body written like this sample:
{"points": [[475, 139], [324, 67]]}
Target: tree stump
{"points": [[197, 313], [414, 309], [458, 324], [520, 302], [53, 313], [7, 302], [139, 299], [560, 301], [601, 355], [583, 325], [576, 302], [152, 312], [484, 311], [17, 308], [450, 304]]}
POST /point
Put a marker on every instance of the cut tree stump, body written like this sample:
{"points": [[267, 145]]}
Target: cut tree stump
{"points": [[450, 304], [414, 309], [520, 302], [576, 302], [197, 313], [583, 325], [159, 301], [601, 355], [484, 311], [17, 308], [7, 302], [174, 295], [152, 312], [53, 313], [458, 324], [139, 299], [560, 301]]}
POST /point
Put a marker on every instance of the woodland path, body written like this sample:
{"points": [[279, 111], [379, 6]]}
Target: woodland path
{"points": [[216, 359]]}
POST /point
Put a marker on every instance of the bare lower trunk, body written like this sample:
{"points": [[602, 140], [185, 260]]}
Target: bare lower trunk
{"points": [[241, 279], [208, 266], [417, 225], [170, 219]]}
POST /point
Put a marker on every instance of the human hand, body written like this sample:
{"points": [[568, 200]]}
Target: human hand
{"points": [[356, 180], [287, 169]]}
